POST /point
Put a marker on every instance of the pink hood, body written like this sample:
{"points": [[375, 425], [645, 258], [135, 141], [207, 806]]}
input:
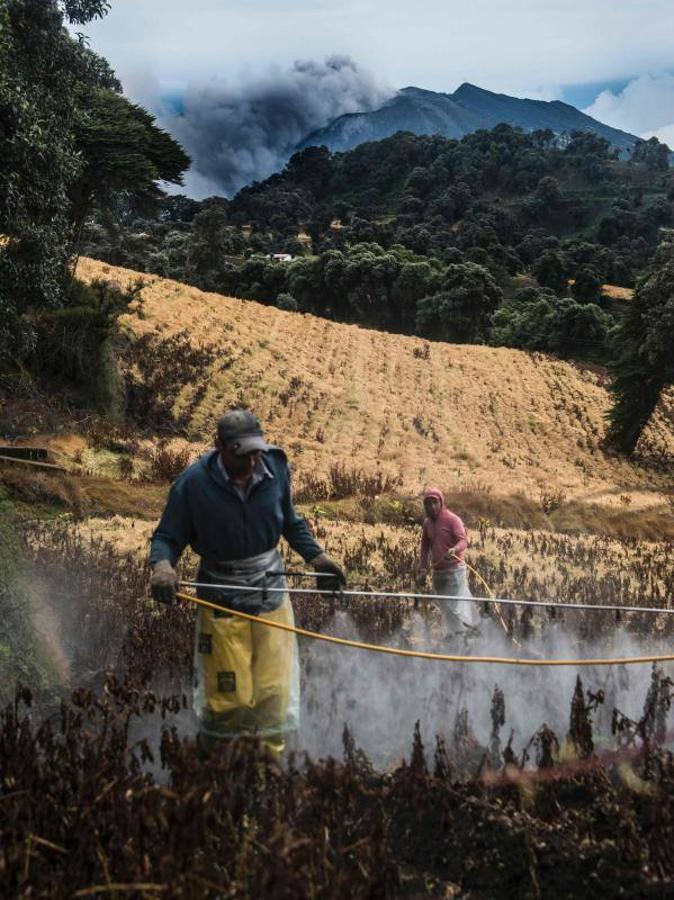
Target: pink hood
{"points": [[434, 493]]}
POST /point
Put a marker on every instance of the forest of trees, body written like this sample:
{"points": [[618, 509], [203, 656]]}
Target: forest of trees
{"points": [[503, 237], [69, 141]]}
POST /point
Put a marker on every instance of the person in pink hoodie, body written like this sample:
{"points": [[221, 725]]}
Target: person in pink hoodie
{"points": [[443, 544]]}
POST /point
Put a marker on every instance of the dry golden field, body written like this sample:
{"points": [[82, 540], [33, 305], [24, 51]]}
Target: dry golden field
{"points": [[520, 564], [377, 551], [615, 292], [503, 420]]}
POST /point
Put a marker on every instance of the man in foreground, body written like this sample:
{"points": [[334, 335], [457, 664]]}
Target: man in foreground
{"points": [[231, 507], [443, 544]]}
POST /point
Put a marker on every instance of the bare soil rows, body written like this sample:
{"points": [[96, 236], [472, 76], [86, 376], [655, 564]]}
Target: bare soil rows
{"points": [[430, 412]]}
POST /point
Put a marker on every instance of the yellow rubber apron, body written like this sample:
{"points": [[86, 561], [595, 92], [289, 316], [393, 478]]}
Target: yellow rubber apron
{"points": [[246, 675]]}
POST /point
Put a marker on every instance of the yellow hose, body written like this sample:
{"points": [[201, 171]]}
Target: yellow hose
{"points": [[499, 614], [439, 657]]}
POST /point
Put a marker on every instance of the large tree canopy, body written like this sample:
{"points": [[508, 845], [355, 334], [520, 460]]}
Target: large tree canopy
{"points": [[536, 319], [58, 108], [39, 67], [460, 311], [645, 361], [123, 152], [652, 154]]}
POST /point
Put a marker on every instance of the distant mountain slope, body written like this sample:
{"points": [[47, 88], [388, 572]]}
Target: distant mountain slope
{"points": [[468, 109], [450, 414]]}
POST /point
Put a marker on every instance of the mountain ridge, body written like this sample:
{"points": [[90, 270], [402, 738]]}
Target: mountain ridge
{"points": [[455, 115]]}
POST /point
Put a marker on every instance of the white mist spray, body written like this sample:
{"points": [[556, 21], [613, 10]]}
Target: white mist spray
{"points": [[380, 697]]}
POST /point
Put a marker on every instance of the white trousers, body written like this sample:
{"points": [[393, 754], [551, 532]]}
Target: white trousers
{"points": [[454, 583]]}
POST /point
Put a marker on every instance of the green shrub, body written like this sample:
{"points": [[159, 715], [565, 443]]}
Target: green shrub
{"points": [[72, 343], [538, 320]]}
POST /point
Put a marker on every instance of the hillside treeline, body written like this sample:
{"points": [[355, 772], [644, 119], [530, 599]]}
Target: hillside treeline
{"points": [[510, 201], [502, 237]]}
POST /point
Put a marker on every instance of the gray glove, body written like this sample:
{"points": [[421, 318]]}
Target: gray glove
{"points": [[326, 566], [164, 582]]}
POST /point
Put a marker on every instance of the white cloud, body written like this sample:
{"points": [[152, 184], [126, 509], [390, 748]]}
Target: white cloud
{"points": [[645, 106], [499, 44], [664, 135]]}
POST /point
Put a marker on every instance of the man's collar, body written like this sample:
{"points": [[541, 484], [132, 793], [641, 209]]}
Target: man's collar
{"points": [[260, 471]]}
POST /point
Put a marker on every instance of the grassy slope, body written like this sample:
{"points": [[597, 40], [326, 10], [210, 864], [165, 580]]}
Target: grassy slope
{"points": [[464, 416]]}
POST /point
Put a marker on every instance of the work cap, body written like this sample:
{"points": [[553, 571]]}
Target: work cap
{"points": [[240, 431]]}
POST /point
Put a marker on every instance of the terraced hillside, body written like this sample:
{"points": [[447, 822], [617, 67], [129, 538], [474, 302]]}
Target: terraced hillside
{"points": [[498, 419]]}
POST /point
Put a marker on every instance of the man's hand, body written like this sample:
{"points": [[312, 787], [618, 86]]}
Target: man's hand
{"points": [[323, 564], [164, 583]]}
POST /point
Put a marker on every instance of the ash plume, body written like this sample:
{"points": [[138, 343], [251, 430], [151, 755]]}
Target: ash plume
{"points": [[240, 133]]}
